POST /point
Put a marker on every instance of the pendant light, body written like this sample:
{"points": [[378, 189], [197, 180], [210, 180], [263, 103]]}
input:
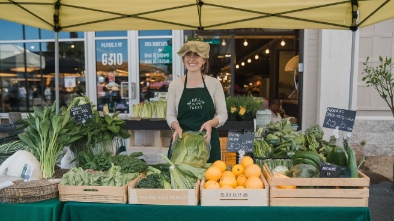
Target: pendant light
{"points": [[283, 43], [223, 43], [245, 43], [267, 51]]}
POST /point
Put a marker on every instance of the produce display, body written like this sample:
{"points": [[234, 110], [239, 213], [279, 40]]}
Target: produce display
{"points": [[301, 155]]}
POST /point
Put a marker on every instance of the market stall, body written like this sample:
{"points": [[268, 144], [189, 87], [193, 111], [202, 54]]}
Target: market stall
{"points": [[74, 211]]}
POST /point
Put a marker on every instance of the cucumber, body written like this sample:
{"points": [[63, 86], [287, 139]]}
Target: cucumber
{"points": [[352, 164]]}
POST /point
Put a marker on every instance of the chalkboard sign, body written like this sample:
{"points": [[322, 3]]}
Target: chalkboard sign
{"points": [[82, 113], [240, 141], [341, 118], [330, 171]]}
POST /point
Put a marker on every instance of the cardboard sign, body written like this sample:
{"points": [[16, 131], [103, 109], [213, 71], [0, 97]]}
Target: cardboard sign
{"points": [[240, 141], [341, 118], [82, 113]]}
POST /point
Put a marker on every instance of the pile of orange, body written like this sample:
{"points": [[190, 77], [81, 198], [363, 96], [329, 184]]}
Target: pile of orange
{"points": [[245, 175]]}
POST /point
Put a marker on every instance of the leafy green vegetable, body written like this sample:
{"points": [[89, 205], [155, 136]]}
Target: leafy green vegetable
{"points": [[79, 177], [191, 149], [103, 162], [48, 133]]}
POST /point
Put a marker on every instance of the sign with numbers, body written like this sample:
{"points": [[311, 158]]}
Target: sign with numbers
{"points": [[339, 118], [240, 141], [82, 113]]}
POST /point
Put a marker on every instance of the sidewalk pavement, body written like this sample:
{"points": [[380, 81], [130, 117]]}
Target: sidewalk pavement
{"points": [[381, 201]]}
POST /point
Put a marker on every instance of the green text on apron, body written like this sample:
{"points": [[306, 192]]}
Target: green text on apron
{"points": [[194, 109]]}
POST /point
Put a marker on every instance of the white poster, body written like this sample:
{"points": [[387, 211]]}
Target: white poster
{"points": [[69, 81]]}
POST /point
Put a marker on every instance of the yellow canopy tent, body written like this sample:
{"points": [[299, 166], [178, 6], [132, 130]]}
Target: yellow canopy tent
{"points": [[99, 15], [104, 15]]}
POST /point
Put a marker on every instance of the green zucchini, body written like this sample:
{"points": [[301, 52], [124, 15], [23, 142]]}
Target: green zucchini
{"points": [[337, 156]]}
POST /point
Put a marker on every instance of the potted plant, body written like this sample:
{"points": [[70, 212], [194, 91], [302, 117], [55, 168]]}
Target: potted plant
{"points": [[381, 79]]}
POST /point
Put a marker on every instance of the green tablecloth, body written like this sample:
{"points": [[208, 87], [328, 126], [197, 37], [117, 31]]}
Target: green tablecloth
{"points": [[74, 211], [47, 210]]}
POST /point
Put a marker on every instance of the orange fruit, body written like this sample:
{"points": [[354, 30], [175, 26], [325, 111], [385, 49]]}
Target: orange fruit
{"points": [[253, 170], [228, 180], [239, 187], [254, 183], [238, 169], [220, 164], [213, 173], [241, 180], [211, 184], [246, 161], [226, 187], [228, 173]]}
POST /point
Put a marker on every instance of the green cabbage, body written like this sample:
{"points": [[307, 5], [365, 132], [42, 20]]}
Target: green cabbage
{"points": [[191, 149]]}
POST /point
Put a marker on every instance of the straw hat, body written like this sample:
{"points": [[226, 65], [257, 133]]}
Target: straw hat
{"points": [[201, 48]]}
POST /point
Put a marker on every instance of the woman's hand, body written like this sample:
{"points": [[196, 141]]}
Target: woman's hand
{"points": [[177, 131], [208, 129]]}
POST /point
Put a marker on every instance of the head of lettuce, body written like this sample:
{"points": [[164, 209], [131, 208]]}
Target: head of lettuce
{"points": [[191, 149]]}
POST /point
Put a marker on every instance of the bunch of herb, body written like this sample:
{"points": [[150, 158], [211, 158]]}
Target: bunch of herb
{"points": [[48, 133]]}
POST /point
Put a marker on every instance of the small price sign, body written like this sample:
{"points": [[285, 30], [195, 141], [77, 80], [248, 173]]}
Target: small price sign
{"points": [[240, 141], [82, 113], [330, 171]]}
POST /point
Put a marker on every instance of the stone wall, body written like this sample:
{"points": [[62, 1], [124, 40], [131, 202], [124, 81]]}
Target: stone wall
{"points": [[379, 148]]}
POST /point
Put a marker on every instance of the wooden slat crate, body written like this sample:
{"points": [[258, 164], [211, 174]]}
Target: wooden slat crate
{"points": [[236, 197], [97, 194], [336, 192]]}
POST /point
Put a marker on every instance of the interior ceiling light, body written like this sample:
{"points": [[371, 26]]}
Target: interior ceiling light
{"points": [[237, 66], [249, 60], [256, 56], [223, 43], [267, 51], [245, 43], [243, 63], [283, 43]]}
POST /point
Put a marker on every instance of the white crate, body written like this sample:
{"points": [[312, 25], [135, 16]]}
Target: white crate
{"points": [[235, 197]]}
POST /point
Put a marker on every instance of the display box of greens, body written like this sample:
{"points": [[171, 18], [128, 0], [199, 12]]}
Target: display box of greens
{"points": [[101, 178], [163, 196]]}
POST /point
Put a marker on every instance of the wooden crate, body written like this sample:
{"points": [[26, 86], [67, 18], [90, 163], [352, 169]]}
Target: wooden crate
{"points": [[336, 192], [163, 196], [97, 194], [230, 158], [236, 197]]}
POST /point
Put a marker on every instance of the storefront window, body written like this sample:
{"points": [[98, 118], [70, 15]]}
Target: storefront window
{"points": [[27, 74], [112, 75], [155, 66], [15, 31]]}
